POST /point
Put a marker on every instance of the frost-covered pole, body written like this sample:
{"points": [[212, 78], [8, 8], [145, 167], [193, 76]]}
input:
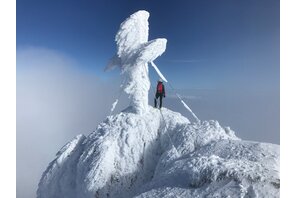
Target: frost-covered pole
{"points": [[134, 51]]}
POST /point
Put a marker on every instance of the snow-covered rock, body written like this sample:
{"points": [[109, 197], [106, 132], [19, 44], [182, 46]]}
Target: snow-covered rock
{"points": [[147, 152], [115, 160], [161, 154]]}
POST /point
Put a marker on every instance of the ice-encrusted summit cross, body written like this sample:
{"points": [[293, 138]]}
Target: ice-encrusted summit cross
{"points": [[134, 52]]}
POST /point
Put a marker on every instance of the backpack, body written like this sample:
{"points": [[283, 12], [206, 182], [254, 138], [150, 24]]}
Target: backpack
{"points": [[160, 88]]}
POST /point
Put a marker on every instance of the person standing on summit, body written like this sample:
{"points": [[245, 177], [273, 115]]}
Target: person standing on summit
{"points": [[160, 92]]}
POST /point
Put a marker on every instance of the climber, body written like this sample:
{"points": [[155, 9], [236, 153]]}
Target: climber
{"points": [[160, 92]]}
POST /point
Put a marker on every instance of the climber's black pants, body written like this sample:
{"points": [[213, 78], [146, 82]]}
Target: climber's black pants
{"points": [[156, 97]]}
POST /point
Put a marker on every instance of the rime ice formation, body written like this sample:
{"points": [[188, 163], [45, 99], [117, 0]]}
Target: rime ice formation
{"points": [[133, 55], [158, 153]]}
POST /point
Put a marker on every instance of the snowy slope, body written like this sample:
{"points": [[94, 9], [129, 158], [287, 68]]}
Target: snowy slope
{"points": [[131, 155], [115, 159], [145, 152]]}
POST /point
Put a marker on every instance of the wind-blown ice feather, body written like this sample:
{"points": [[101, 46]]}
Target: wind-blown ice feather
{"points": [[134, 51]]}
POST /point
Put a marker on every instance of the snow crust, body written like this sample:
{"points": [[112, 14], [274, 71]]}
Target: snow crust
{"points": [[147, 152]]}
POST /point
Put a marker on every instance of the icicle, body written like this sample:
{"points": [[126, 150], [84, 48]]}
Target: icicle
{"points": [[188, 108], [113, 106], [158, 71]]}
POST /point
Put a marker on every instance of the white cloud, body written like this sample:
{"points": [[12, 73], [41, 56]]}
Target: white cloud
{"points": [[56, 100]]}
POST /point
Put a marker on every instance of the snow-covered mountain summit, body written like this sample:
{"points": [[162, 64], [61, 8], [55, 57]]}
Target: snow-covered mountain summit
{"points": [[147, 152], [161, 154]]}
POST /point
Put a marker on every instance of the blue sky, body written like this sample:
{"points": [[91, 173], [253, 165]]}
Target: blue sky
{"points": [[211, 44]]}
